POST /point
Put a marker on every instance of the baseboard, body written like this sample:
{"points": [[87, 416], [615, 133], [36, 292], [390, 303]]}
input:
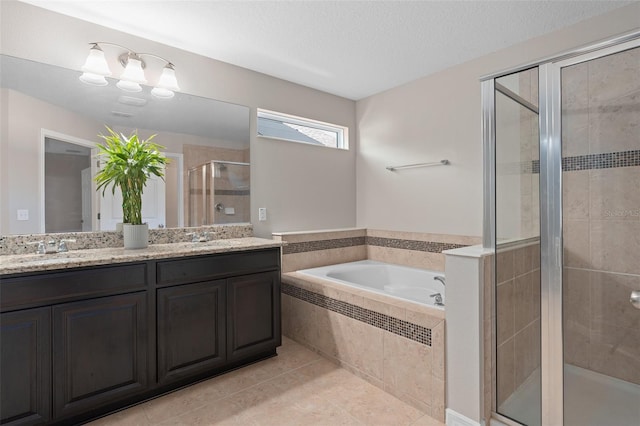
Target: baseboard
{"points": [[457, 419]]}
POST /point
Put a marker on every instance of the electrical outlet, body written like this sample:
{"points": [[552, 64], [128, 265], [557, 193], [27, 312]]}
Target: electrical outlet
{"points": [[262, 214], [23, 215]]}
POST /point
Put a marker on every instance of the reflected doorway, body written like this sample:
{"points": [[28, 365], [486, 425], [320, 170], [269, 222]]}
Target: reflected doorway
{"points": [[67, 186]]}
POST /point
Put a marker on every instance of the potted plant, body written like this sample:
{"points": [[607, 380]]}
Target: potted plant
{"points": [[127, 163]]}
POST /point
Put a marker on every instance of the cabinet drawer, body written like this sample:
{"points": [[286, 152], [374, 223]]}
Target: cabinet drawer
{"points": [[56, 287], [205, 268]]}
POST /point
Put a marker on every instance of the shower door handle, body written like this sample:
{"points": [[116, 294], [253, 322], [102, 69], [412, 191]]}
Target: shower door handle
{"points": [[635, 299]]}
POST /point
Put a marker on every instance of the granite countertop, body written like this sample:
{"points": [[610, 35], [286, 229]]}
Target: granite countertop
{"points": [[14, 264]]}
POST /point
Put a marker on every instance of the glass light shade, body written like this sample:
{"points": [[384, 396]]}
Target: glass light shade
{"points": [[93, 79], [133, 72], [168, 79], [129, 86], [162, 93], [96, 63]]}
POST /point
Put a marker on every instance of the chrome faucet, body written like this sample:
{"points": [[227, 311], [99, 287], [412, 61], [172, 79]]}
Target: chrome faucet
{"points": [[52, 247], [438, 301], [62, 245], [439, 278], [199, 238]]}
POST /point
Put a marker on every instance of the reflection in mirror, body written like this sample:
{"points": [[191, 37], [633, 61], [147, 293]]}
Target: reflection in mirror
{"points": [[52, 122], [218, 190], [67, 199]]}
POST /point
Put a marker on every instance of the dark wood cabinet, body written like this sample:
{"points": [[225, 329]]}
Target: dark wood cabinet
{"points": [[253, 319], [191, 329], [99, 352], [25, 366], [79, 343]]}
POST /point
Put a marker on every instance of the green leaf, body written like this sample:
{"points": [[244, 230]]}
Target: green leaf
{"points": [[128, 162]]}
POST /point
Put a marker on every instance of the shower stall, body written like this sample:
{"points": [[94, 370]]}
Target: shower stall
{"points": [[562, 190], [218, 193]]}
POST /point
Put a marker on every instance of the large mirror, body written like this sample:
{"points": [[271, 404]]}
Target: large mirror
{"points": [[50, 126]]}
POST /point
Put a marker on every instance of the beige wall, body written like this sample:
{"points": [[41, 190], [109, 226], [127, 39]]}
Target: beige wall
{"points": [[302, 186], [438, 117], [22, 148]]}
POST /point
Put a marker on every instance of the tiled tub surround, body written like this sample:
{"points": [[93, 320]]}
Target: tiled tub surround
{"points": [[380, 338], [517, 316], [396, 345], [21, 244], [305, 250], [370, 334], [320, 248]]}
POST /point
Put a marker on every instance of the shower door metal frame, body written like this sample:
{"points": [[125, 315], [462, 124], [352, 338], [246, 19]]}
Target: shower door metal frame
{"points": [[551, 244], [551, 231]]}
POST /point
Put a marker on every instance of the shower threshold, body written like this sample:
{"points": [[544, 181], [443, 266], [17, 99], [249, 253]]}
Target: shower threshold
{"points": [[591, 399]]}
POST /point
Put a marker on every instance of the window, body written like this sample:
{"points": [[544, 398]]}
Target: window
{"points": [[297, 129]]}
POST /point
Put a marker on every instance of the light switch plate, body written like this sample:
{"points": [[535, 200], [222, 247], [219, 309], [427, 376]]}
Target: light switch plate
{"points": [[229, 210], [23, 214], [262, 214]]}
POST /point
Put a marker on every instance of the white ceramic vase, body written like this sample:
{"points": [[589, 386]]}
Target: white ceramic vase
{"points": [[135, 236]]}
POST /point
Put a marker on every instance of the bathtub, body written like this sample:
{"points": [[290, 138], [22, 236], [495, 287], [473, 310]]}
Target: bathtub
{"points": [[401, 282]]}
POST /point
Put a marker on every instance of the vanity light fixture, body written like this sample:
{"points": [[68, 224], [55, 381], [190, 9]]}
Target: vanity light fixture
{"points": [[95, 69]]}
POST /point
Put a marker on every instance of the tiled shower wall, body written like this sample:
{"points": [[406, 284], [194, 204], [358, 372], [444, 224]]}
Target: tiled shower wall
{"points": [[601, 177], [517, 316]]}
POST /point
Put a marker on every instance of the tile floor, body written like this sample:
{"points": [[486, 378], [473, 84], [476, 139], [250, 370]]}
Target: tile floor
{"points": [[298, 387]]}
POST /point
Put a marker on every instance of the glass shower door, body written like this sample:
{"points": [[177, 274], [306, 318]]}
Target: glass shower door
{"points": [[517, 224], [601, 239]]}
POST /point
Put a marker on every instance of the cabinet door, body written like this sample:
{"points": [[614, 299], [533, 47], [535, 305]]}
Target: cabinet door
{"points": [[191, 329], [254, 314], [99, 352], [25, 366]]}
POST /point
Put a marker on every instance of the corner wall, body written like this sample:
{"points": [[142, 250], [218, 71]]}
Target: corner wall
{"points": [[438, 117]]}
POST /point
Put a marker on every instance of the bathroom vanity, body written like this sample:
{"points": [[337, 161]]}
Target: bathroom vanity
{"points": [[86, 334]]}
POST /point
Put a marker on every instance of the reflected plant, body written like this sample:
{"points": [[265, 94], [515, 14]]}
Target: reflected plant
{"points": [[127, 163]]}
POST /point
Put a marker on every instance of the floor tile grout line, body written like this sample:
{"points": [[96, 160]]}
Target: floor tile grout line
{"points": [[332, 402], [217, 399], [264, 381]]}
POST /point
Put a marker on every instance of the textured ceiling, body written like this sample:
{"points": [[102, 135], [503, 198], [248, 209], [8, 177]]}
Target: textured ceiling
{"points": [[349, 48]]}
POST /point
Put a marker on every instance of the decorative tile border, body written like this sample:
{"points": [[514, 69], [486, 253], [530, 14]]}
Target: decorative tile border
{"points": [[307, 246], [409, 330], [608, 160], [428, 246], [231, 192], [198, 192]]}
